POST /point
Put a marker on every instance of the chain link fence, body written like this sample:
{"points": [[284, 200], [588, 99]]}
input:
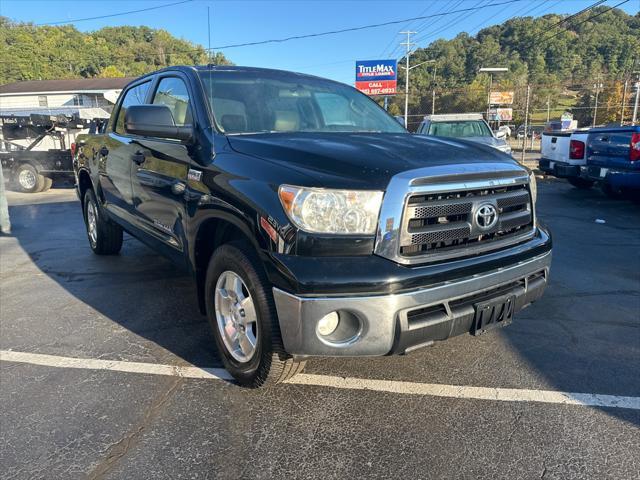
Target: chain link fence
{"points": [[590, 103]]}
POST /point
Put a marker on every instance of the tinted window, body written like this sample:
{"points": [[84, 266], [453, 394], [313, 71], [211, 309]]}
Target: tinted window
{"points": [[263, 101], [173, 93], [134, 96], [461, 129]]}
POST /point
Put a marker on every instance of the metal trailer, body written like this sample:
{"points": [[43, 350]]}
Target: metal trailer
{"points": [[35, 145]]}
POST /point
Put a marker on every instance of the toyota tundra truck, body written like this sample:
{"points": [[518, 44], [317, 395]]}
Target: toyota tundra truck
{"points": [[312, 222]]}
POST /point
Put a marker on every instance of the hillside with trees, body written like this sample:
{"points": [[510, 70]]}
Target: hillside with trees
{"points": [[562, 62], [30, 52]]}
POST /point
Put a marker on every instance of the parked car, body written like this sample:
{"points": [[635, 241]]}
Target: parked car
{"points": [[503, 128], [613, 158], [532, 130], [313, 223], [470, 126], [564, 155]]}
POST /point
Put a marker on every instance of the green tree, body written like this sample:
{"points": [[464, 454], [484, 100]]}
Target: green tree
{"points": [[29, 52]]}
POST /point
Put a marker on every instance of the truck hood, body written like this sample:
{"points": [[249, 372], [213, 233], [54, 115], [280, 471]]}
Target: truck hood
{"points": [[364, 160]]}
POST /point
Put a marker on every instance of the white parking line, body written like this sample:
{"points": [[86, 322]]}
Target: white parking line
{"points": [[388, 386]]}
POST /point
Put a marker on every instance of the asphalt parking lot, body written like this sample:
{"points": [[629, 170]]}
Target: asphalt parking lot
{"points": [[133, 405]]}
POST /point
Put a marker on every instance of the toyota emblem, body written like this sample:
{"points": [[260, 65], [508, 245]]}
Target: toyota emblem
{"points": [[486, 216]]}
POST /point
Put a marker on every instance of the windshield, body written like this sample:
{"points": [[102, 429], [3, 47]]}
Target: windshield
{"points": [[253, 102], [460, 129]]}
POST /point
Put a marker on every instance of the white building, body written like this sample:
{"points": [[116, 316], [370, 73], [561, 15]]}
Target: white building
{"points": [[43, 94]]}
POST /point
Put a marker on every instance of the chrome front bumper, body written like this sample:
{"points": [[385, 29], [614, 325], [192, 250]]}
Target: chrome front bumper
{"points": [[384, 326]]}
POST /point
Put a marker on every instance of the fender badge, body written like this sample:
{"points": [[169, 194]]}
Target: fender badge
{"points": [[194, 175], [266, 226]]}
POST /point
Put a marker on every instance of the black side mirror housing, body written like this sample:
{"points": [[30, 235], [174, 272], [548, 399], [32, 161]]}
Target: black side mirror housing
{"points": [[155, 121]]}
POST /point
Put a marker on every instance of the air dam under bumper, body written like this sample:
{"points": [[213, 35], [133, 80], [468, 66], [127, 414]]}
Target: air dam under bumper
{"points": [[398, 323]]}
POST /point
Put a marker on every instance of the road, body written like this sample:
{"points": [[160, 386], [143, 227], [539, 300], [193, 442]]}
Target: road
{"points": [[102, 369]]}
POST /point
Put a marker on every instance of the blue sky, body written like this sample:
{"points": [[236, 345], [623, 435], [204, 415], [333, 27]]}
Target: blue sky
{"points": [[330, 56]]}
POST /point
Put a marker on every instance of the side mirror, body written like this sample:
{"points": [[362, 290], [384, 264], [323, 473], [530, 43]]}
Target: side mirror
{"points": [[155, 121], [501, 134]]}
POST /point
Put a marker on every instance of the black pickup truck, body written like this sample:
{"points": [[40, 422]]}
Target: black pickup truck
{"points": [[314, 224]]}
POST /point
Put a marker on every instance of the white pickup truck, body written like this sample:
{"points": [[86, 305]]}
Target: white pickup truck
{"points": [[563, 155]]}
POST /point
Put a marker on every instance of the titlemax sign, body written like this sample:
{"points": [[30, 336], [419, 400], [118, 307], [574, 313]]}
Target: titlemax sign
{"points": [[376, 77], [380, 70]]}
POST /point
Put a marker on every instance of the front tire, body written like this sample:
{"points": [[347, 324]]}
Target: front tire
{"points": [[242, 315], [105, 236]]}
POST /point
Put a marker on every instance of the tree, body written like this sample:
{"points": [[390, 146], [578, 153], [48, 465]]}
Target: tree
{"points": [[111, 72], [30, 52], [537, 52]]}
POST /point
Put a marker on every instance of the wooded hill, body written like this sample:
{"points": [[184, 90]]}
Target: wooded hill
{"points": [[29, 52], [559, 60]]}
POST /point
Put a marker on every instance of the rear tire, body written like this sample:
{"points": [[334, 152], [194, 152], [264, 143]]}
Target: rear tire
{"points": [[28, 180], [265, 362], [581, 183], [48, 182], [105, 236]]}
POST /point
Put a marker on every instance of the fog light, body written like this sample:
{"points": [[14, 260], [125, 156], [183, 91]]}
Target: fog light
{"points": [[328, 324]]}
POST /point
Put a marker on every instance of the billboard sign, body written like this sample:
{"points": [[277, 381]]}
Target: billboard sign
{"points": [[501, 114], [377, 77], [566, 121], [501, 98]]}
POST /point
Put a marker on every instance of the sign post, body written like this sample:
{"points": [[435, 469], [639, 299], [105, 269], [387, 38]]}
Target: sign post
{"points": [[377, 77]]}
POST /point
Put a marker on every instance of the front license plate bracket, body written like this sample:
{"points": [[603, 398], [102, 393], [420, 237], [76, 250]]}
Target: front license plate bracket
{"points": [[497, 312]]}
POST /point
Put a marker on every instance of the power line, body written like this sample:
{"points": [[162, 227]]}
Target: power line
{"points": [[452, 4], [112, 14], [565, 29], [566, 19], [453, 21], [354, 29], [403, 28]]}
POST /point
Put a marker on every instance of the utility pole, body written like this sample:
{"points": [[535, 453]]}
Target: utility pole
{"points": [[433, 102], [433, 97], [635, 105], [408, 44], [597, 86], [526, 118], [548, 107], [624, 99]]}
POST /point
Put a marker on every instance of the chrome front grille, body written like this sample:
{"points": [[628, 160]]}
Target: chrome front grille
{"points": [[427, 214], [444, 222]]}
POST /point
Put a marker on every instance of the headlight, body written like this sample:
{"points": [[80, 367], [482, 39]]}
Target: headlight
{"points": [[342, 212], [533, 186]]}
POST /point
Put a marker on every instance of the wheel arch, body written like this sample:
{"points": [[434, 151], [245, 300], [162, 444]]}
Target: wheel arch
{"points": [[213, 231], [84, 184]]}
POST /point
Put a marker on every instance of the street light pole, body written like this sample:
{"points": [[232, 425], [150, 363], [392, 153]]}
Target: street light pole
{"points": [[408, 44]]}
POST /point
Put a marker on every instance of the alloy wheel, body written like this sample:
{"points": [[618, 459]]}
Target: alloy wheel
{"points": [[236, 316]]}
